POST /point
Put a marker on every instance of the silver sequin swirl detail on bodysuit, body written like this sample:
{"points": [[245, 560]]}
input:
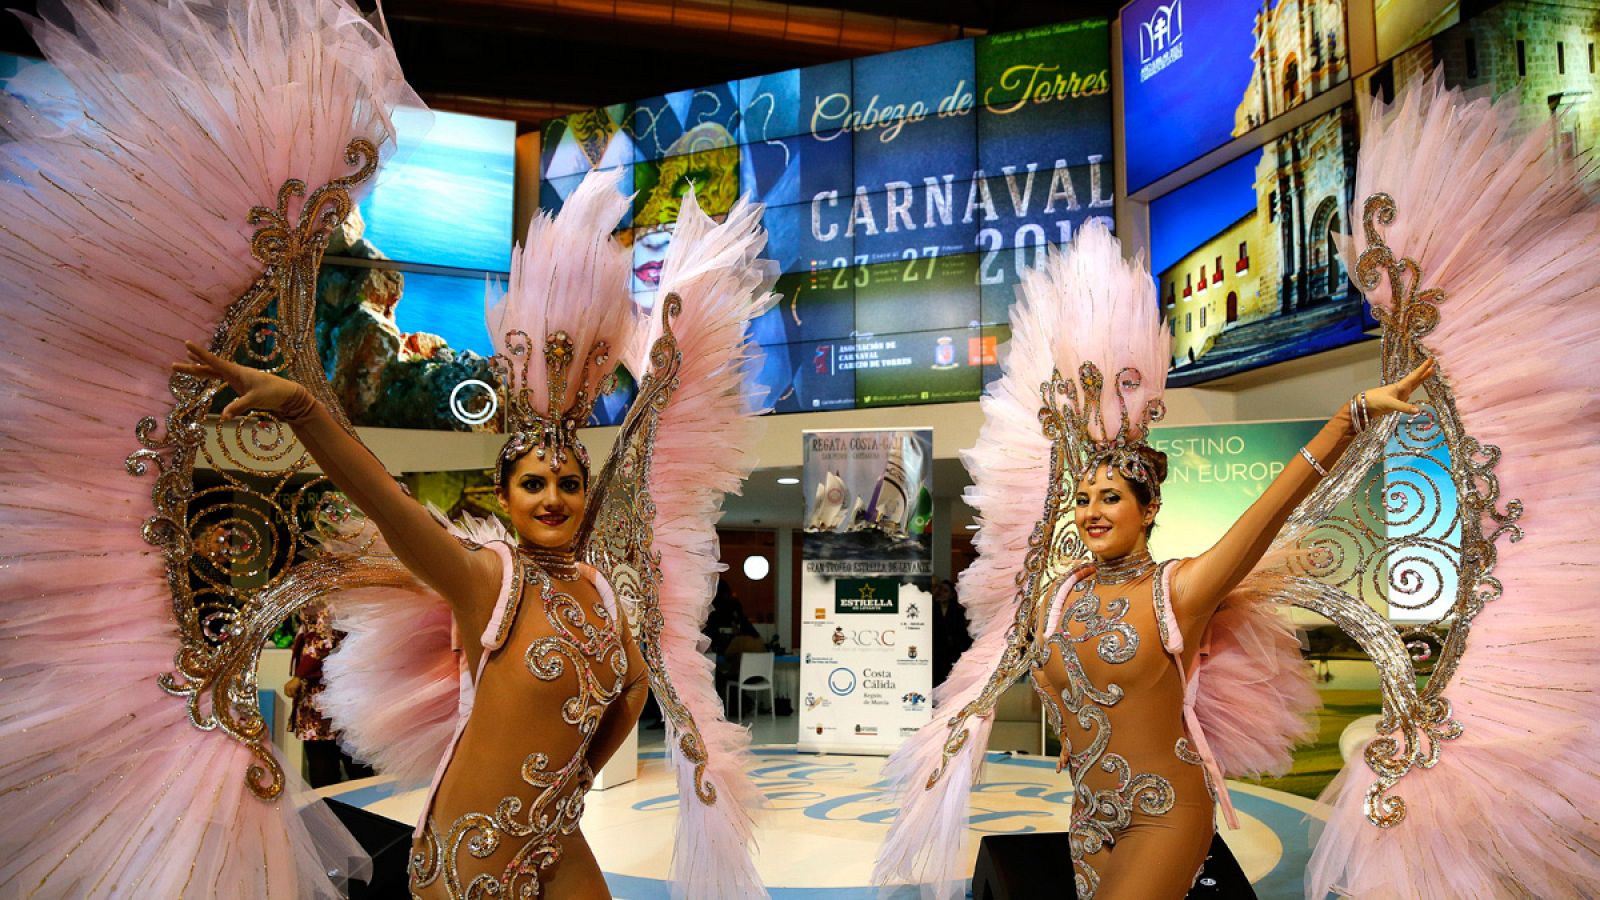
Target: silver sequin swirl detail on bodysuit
{"points": [[1097, 816], [596, 655]]}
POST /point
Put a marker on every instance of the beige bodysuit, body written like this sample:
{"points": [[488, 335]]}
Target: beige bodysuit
{"points": [[1142, 806], [560, 685]]}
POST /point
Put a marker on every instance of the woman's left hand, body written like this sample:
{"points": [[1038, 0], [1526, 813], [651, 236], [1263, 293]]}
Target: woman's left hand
{"points": [[1393, 398]]}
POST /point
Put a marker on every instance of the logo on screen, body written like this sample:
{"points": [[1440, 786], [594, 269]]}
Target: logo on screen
{"points": [[823, 359], [983, 351], [944, 353], [1160, 40]]}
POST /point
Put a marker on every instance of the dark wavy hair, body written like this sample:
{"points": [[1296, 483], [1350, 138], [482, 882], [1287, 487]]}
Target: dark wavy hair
{"points": [[1155, 462]]}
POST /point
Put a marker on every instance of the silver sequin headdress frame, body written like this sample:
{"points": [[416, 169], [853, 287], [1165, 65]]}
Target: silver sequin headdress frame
{"points": [[552, 434], [1077, 405]]}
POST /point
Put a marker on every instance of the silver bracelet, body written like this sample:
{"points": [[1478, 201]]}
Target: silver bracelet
{"points": [[1313, 461], [1359, 420]]}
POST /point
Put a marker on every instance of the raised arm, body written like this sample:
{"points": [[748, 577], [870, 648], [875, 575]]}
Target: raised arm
{"points": [[1204, 581], [462, 577]]}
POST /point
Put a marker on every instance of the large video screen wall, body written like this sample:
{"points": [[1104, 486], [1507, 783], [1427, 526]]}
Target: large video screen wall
{"points": [[1541, 53], [904, 194], [1199, 73]]}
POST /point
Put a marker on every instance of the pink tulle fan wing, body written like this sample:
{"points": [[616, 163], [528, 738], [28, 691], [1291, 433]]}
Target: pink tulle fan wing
{"points": [[1499, 220], [126, 230]]}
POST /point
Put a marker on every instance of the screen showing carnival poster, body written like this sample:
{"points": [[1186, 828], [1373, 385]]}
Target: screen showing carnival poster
{"points": [[866, 676], [904, 193]]}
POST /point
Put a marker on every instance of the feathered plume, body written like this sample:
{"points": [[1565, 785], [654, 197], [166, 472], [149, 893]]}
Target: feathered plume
{"points": [[1501, 223], [1108, 316], [571, 276], [396, 681], [123, 231], [714, 269], [560, 326], [1253, 693]]}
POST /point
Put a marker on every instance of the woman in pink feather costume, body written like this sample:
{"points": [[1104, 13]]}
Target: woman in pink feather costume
{"points": [[552, 679], [1124, 647], [1143, 771], [128, 217], [548, 713]]}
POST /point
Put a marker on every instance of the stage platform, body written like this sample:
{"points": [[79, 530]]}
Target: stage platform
{"points": [[826, 816]]}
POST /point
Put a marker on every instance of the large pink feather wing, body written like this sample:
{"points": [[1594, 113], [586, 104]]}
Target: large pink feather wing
{"points": [[1499, 221], [714, 269], [124, 231]]}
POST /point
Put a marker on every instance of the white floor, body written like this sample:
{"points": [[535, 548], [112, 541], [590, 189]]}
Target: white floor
{"points": [[765, 731]]}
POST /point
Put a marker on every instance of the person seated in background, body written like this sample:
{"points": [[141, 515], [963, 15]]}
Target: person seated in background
{"points": [[722, 623]]}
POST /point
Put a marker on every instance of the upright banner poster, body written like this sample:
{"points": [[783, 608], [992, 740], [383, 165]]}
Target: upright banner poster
{"points": [[866, 676]]}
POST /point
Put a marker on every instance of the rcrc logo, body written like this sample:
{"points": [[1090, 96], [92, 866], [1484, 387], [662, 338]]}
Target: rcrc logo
{"points": [[1164, 29], [865, 637]]}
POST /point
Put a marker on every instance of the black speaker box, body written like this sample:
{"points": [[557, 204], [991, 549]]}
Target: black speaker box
{"points": [[388, 843], [1038, 866]]}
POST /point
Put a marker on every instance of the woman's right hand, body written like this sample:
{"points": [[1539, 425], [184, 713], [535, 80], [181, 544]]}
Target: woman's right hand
{"points": [[256, 389]]}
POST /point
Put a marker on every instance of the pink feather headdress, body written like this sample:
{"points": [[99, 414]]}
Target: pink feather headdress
{"points": [[1113, 325], [560, 327]]}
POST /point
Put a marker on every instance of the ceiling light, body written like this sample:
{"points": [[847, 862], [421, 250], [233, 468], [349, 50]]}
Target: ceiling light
{"points": [[788, 480], [756, 567], [972, 527]]}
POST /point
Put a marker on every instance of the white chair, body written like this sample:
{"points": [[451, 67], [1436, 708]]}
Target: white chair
{"points": [[755, 676], [1353, 740]]}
